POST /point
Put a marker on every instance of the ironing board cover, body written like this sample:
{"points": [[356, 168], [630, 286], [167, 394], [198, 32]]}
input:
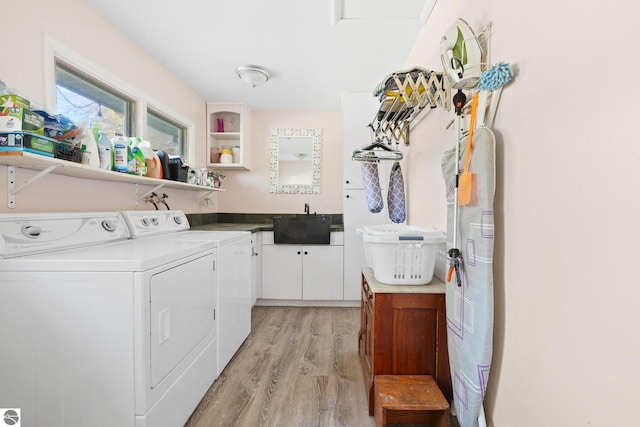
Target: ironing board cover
{"points": [[470, 306]]}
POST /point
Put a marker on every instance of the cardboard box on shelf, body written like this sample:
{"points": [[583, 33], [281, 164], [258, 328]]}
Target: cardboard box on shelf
{"points": [[8, 101], [17, 142], [16, 119]]}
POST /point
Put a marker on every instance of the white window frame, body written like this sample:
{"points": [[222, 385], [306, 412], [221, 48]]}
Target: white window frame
{"points": [[54, 49]]}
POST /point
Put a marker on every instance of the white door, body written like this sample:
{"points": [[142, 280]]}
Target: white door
{"points": [[358, 110], [356, 215], [182, 312]]}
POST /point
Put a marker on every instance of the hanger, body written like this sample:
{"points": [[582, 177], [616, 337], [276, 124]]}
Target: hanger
{"points": [[375, 152]]}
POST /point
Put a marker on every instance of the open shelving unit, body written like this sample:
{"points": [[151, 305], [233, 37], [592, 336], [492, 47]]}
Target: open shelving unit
{"points": [[46, 165]]}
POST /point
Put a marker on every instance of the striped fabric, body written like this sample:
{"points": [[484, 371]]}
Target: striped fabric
{"points": [[395, 196], [371, 184]]}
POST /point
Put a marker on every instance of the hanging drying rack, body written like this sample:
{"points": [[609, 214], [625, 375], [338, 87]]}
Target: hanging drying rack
{"points": [[404, 95]]}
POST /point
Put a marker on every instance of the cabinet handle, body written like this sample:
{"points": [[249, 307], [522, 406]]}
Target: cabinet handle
{"points": [[298, 252], [347, 196], [306, 253], [347, 181]]}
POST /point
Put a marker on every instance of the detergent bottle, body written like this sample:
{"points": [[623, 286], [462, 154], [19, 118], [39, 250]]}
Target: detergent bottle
{"points": [[154, 168], [139, 164], [95, 129], [120, 150], [105, 151]]}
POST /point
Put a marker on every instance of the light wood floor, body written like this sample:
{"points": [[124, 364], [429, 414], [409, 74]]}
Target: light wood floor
{"points": [[298, 368]]}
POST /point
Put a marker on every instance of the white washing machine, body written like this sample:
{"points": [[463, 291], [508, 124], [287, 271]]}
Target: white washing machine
{"points": [[101, 330], [233, 272]]}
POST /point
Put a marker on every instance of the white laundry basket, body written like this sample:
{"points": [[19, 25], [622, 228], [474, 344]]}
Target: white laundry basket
{"points": [[402, 254]]}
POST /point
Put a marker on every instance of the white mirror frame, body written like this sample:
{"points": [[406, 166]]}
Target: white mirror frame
{"points": [[274, 186]]}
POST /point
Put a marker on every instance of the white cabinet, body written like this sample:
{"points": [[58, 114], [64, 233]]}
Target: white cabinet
{"points": [[302, 272], [358, 110], [234, 297], [356, 215], [256, 267], [228, 126]]}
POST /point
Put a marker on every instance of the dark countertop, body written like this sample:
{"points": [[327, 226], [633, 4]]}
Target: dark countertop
{"points": [[245, 222], [232, 226]]}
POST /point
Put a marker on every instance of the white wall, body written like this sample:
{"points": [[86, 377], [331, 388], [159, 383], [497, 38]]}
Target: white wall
{"points": [[248, 192], [78, 28], [567, 340], [81, 30]]}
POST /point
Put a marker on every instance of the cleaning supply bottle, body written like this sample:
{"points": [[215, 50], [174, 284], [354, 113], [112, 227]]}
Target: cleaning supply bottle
{"points": [[105, 151], [86, 155], [95, 129], [87, 138], [139, 164], [121, 150], [154, 169]]}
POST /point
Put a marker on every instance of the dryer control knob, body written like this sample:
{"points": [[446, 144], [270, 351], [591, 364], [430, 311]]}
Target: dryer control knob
{"points": [[108, 225], [31, 231]]}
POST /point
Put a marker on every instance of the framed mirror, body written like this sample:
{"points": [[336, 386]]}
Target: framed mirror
{"points": [[294, 161]]}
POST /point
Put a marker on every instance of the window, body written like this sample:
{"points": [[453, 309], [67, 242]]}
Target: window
{"points": [[165, 134], [85, 100]]}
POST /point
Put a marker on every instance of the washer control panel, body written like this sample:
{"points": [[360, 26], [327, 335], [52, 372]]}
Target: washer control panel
{"points": [[28, 234], [153, 223]]}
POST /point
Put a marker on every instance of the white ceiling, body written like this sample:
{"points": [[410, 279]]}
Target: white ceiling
{"points": [[313, 49]]}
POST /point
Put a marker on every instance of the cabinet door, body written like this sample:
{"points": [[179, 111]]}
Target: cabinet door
{"points": [[256, 267], [281, 272], [356, 215], [365, 346], [322, 273]]}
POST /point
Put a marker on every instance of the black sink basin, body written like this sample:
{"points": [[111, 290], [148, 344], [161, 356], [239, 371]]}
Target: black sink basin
{"points": [[302, 230]]}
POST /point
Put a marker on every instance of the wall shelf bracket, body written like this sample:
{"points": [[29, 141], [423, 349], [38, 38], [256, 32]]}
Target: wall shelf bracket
{"points": [[12, 190], [153, 190]]}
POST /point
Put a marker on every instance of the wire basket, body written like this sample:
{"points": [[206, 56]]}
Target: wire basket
{"points": [[68, 151]]}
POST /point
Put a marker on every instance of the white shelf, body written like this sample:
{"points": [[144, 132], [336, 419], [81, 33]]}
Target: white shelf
{"points": [[237, 119], [63, 167], [226, 136]]}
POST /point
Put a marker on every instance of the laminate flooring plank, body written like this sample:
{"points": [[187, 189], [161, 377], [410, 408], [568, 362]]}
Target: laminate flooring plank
{"points": [[298, 368]]}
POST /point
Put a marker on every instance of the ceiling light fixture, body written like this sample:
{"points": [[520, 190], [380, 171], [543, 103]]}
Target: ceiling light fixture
{"points": [[253, 75]]}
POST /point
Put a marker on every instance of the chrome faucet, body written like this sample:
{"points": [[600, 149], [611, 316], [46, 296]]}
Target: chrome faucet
{"points": [[306, 208]]}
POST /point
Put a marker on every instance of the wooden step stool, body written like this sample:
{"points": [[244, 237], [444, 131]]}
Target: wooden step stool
{"points": [[409, 399]]}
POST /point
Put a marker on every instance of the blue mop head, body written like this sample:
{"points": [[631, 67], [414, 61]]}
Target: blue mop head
{"points": [[495, 77]]}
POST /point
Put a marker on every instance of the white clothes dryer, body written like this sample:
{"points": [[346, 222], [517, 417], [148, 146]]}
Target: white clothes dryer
{"points": [[232, 269], [102, 330]]}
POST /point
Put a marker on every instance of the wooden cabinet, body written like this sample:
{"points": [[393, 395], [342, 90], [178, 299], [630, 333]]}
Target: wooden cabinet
{"points": [[228, 126], [403, 333], [302, 272]]}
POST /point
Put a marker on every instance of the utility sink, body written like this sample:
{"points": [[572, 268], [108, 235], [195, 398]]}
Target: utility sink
{"points": [[302, 230]]}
